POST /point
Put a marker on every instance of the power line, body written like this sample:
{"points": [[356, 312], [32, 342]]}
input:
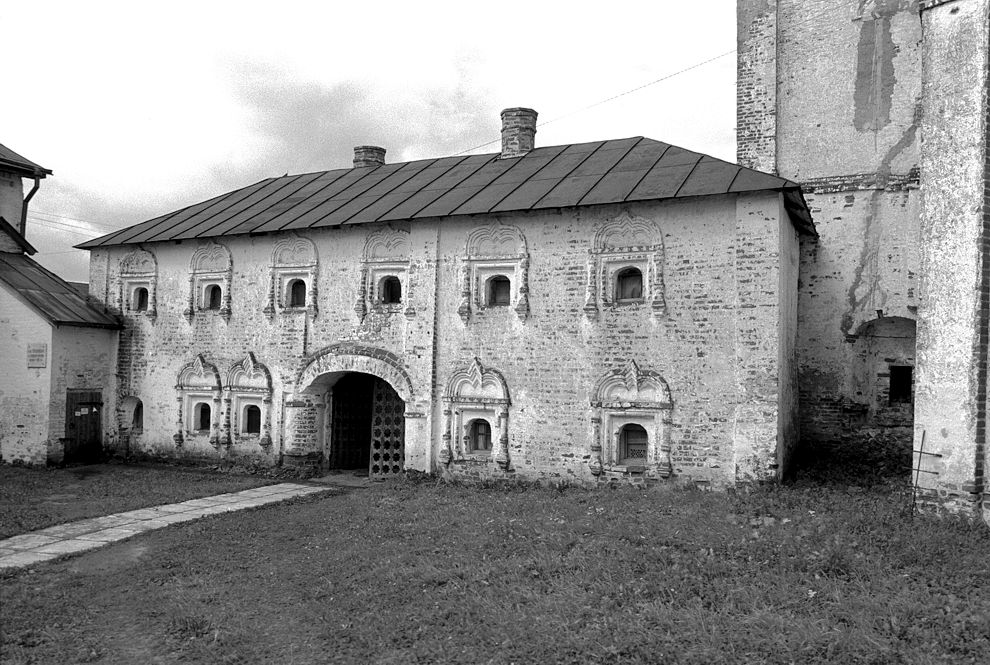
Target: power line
{"points": [[56, 226], [664, 78], [74, 219]]}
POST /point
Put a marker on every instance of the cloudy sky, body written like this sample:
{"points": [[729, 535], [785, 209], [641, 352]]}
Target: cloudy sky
{"points": [[144, 108]]}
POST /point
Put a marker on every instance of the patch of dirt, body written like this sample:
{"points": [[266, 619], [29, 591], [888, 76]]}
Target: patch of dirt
{"points": [[114, 558]]}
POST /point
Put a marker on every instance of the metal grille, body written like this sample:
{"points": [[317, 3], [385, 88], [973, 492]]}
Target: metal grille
{"points": [[388, 426]]}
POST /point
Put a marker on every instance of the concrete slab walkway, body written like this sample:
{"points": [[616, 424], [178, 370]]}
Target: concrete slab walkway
{"points": [[56, 541]]}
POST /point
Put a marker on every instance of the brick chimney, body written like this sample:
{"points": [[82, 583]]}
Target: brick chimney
{"points": [[518, 132], [368, 155]]}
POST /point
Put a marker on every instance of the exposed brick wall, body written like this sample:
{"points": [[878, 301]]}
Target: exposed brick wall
{"points": [[846, 85], [756, 84]]}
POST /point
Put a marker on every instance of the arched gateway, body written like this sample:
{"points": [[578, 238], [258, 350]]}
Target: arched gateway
{"points": [[348, 410]]}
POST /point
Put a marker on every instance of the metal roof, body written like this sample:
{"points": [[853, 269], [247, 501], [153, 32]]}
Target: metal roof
{"points": [[617, 171], [50, 295], [11, 161]]}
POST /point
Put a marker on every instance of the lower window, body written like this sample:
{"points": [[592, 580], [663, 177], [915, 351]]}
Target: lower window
{"points": [[633, 444]]}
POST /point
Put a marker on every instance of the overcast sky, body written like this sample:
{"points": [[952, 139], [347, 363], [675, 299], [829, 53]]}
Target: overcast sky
{"points": [[144, 108]]}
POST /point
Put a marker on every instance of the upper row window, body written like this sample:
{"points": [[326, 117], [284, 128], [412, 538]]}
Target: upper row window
{"points": [[140, 301], [390, 290], [628, 288], [297, 293], [628, 285], [498, 292], [212, 297]]}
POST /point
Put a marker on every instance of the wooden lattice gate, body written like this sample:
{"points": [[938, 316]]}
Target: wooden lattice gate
{"points": [[388, 432]]}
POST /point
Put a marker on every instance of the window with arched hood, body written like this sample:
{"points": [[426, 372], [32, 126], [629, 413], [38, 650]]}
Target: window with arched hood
{"points": [[138, 281], [297, 293], [628, 285], [390, 290], [498, 291], [249, 403], [200, 392], [209, 283], [476, 416], [140, 302], [631, 421]]}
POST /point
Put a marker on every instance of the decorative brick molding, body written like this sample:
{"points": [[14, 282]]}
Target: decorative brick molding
{"points": [[139, 270], [249, 383], [631, 396], [386, 254], [493, 250], [475, 392], [350, 357], [198, 381], [293, 258], [622, 243], [210, 265]]}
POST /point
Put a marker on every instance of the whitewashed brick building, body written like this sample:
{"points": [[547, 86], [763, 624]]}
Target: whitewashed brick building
{"points": [[616, 309]]}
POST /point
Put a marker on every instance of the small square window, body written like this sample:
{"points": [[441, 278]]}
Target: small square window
{"points": [[901, 384], [633, 444], [297, 293], [140, 300], [252, 419], [628, 285], [480, 436], [390, 290], [202, 421], [212, 297], [498, 291]]}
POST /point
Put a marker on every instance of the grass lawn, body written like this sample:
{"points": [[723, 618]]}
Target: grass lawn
{"points": [[32, 499], [423, 573]]}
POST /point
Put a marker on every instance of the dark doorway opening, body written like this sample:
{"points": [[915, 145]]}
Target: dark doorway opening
{"points": [[367, 427]]}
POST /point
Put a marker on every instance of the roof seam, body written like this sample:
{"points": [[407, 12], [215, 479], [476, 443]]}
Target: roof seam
{"points": [[426, 186], [344, 200], [602, 177], [388, 191], [343, 173], [251, 205], [247, 191]]}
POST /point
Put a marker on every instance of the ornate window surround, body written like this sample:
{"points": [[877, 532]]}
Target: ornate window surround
{"points": [[293, 258], [624, 242], [248, 383], [386, 254], [139, 269], [631, 396], [475, 392], [210, 264], [198, 381], [490, 250]]}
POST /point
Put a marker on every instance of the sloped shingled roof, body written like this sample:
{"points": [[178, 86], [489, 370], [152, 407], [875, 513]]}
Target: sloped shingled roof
{"points": [[11, 161], [618, 171], [50, 295]]}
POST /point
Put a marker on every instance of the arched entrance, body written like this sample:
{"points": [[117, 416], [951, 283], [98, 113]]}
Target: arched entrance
{"points": [[355, 402]]}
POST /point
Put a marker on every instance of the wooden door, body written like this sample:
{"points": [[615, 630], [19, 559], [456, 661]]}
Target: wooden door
{"points": [[83, 426]]}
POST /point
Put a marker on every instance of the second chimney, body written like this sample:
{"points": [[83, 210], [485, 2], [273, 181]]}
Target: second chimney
{"points": [[518, 132], [368, 155]]}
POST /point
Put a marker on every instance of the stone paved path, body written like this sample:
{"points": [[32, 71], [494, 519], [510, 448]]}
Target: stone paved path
{"points": [[57, 541]]}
